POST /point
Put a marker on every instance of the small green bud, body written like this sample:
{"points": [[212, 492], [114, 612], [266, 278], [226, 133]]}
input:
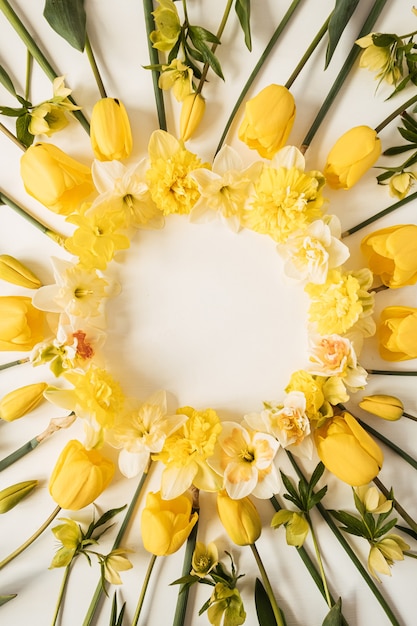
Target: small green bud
{"points": [[11, 496]]}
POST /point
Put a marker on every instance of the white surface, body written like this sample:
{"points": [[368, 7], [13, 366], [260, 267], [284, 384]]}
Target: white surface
{"points": [[203, 313]]}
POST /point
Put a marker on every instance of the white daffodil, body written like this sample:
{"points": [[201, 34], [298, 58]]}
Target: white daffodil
{"points": [[224, 188], [245, 459]]}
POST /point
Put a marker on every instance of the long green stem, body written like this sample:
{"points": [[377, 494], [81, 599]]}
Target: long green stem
{"points": [[61, 593], [31, 539], [294, 4], [37, 54], [29, 64], [94, 67], [401, 109], [308, 53], [319, 561], [143, 590], [406, 457], [268, 588], [397, 506], [392, 373], [154, 59], [12, 137], [341, 77], [6, 366], [214, 46], [18, 454], [377, 216]]}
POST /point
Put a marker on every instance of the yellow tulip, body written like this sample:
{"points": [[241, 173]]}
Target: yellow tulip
{"points": [[166, 524], [240, 518], [55, 179], [387, 407], [13, 271], [351, 157], [10, 496], [21, 325], [268, 120], [110, 133], [392, 254], [20, 401], [79, 476], [347, 450], [398, 333], [192, 112]]}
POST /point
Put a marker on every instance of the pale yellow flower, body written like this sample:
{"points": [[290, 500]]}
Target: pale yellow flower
{"points": [[225, 606], [312, 388], [168, 26], [374, 501], [50, 116], [333, 355], [296, 526], [379, 59], [401, 183], [177, 76], [383, 554], [205, 558], [114, 563], [70, 535]]}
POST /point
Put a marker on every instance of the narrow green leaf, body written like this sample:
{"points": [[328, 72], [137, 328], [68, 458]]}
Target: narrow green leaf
{"points": [[341, 15], [385, 528], [399, 149], [383, 40], [264, 610], [108, 516], [206, 54], [334, 616], [22, 132], [407, 530], [11, 111], [6, 81], [242, 8], [4, 599], [203, 34], [410, 136], [68, 19], [316, 475]]}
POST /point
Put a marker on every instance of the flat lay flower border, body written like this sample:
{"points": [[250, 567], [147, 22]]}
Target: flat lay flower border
{"points": [[62, 325]]}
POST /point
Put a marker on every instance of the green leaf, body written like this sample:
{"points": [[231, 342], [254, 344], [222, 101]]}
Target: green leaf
{"points": [[68, 19], [4, 599], [206, 54], [353, 525], [385, 528], [410, 136], [399, 149], [383, 40], [339, 19], [22, 132], [264, 610], [334, 616], [203, 34], [11, 111], [6, 81], [407, 530], [316, 475], [242, 8]]}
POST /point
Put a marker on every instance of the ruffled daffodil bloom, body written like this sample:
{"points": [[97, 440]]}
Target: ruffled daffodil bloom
{"points": [[311, 387], [285, 197], [178, 77], [245, 459], [383, 554], [240, 519], [186, 451], [142, 431], [398, 333], [224, 188], [333, 355], [387, 407], [21, 324], [166, 524], [110, 133], [204, 559]]}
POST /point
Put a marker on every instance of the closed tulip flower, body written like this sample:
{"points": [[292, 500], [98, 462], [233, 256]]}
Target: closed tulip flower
{"points": [[351, 157], [386, 407], [268, 120], [166, 524], [55, 179], [392, 254], [240, 518], [13, 271], [79, 476], [348, 451], [398, 333], [110, 134], [21, 325], [21, 401], [11, 496], [192, 112]]}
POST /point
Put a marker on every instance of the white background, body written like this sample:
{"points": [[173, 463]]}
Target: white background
{"points": [[203, 313]]}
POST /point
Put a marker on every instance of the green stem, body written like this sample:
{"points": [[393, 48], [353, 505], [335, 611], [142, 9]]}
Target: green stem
{"points": [[6, 366], [59, 239], [308, 53], [143, 590], [94, 67], [397, 506], [61, 593], [406, 457], [214, 46], [154, 59], [377, 216], [294, 4], [319, 561], [391, 373], [409, 416], [341, 77], [268, 588], [29, 65], [12, 137], [37, 54], [394, 114], [18, 454], [31, 539]]}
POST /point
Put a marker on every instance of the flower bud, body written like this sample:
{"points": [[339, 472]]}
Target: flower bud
{"points": [[110, 133], [192, 112], [55, 179], [21, 401], [240, 519], [21, 325], [13, 271], [398, 333], [387, 407], [11, 496]]}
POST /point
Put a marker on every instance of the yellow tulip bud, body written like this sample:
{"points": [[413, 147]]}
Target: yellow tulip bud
{"points": [[392, 254], [55, 179], [21, 401], [166, 524], [398, 333], [192, 112], [110, 133], [79, 476], [351, 157], [13, 271], [268, 120], [21, 325], [347, 450], [11, 496], [387, 407], [240, 518]]}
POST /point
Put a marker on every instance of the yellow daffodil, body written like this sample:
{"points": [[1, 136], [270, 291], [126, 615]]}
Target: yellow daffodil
{"points": [[110, 134], [55, 179], [70, 535], [374, 501], [20, 401], [166, 524], [333, 355], [186, 451], [398, 333], [204, 559], [178, 77], [245, 460], [392, 254], [311, 387], [13, 271], [387, 407], [226, 606], [240, 519], [168, 26], [348, 451], [79, 476], [383, 554], [172, 188], [268, 120], [285, 197], [192, 112], [296, 526], [11, 496], [353, 154], [21, 324]]}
